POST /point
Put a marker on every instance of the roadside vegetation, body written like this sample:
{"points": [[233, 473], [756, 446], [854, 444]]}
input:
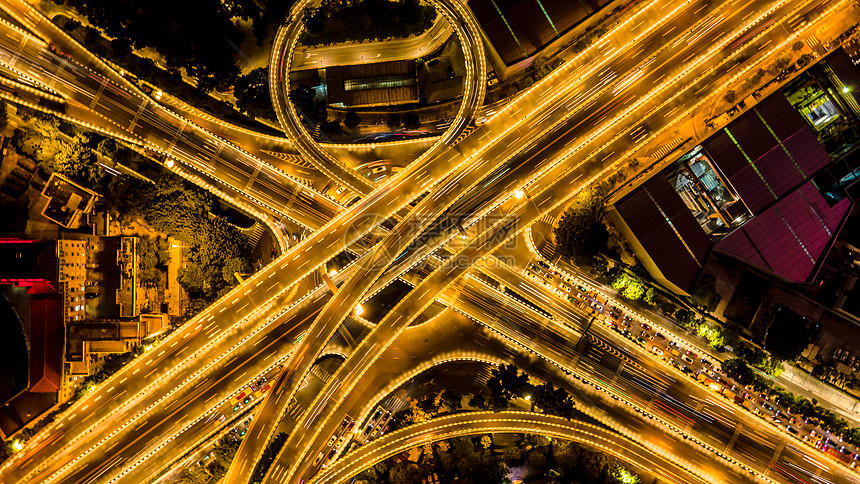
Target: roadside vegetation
{"points": [[494, 459], [336, 21], [506, 385]]}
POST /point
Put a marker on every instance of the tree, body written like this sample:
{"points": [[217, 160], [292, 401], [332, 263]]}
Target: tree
{"points": [[352, 119], [617, 278], [252, 94], [478, 401], [465, 464], [332, 128], [580, 234], [79, 162], [730, 96], [737, 369], [787, 335], [513, 455], [152, 259], [4, 115], [649, 297], [554, 401], [428, 404], [306, 104], [394, 121], [705, 294], [411, 121], [506, 382], [634, 290], [195, 474], [451, 399]]}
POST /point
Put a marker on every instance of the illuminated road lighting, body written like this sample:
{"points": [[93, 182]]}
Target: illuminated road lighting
{"points": [[519, 194], [170, 163], [359, 310]]}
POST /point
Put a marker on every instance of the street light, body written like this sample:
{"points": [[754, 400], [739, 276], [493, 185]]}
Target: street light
{"points": [[17, 445], [519, 194], [845, 89], [170, 163], [358, 310], [332, 272]]}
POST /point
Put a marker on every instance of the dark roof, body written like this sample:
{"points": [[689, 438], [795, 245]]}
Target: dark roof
{"points": [[767, 152], [768, 155], [791, 236], [362, 84], [666, 229], [519, 28], [845, 71], [28, 260], [46, 343]]}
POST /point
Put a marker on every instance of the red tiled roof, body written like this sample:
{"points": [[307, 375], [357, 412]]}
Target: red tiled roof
{"points": [[791, 236]]}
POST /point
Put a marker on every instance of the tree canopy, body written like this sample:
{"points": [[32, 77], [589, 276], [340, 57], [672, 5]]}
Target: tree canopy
{"points": [[252, 94], [580, 234], [360, 20], [199, 36], [787, 336], [216, 250]]}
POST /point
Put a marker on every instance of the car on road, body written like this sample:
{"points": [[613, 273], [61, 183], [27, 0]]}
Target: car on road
{"points": [[640, 340], [318, 459], [331, 440], [660, 337], [687, 359], [647, 326], [792, 430], [237, 407]]}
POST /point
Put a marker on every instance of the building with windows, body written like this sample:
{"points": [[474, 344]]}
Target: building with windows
{"points": [[772, 189]]}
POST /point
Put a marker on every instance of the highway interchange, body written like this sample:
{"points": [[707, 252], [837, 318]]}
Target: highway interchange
{"points": [[647, 72]]}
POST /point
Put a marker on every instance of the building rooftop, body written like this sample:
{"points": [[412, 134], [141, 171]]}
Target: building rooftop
{"points": [[747, 191]]}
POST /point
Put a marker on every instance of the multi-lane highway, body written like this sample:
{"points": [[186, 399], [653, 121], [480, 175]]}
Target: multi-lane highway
{"points": [[350, 53], [402, 314], [478, 423], [280, 65], [597, 109]]}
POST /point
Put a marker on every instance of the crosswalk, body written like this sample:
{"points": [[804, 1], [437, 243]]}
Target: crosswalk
{"points": [[320, 373], [254, 233], [666, 148]]}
